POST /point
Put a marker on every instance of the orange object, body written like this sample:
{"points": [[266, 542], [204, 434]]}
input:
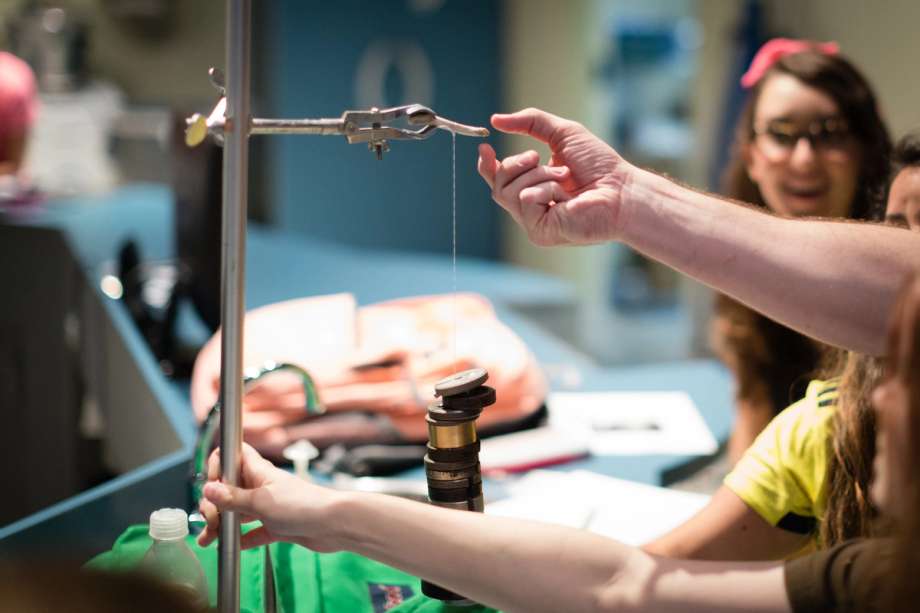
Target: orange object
{"points": [[382, 359]]}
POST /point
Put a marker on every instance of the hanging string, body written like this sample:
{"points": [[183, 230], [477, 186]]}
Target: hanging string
{"points": [[453, 157]]}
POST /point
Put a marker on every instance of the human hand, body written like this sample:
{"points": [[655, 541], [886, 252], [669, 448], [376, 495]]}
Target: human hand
{"points": [[576, 199], [289, 508]]}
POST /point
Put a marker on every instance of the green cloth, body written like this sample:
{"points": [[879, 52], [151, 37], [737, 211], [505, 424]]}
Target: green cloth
{"points": [[305, 581]]}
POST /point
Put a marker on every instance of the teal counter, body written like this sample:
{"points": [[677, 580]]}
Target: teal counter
{"points": [[147, 429]]}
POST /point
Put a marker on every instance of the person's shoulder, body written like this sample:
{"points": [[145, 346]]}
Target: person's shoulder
{"points": [[823, 392], [805, 423], [814, 408]]}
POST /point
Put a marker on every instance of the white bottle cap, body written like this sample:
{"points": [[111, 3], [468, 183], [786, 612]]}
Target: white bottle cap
{"points": [[300, 453], [168, 524]]}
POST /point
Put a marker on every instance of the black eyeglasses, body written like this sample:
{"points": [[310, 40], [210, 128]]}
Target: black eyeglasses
{"points": [[828, 133]]}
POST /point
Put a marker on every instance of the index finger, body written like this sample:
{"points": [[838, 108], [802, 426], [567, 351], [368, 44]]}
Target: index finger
{"points": [[214, 465]]}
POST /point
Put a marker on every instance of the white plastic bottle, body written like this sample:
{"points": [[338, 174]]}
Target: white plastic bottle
{"points": [[171, 559]]}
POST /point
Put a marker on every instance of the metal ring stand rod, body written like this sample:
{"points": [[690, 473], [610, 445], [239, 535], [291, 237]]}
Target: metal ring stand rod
{"points": [[233, 269], [231, 123]]}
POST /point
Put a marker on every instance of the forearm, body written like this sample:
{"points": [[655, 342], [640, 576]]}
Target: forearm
{"points": [[713, 587], [831, 280], [509, 564], [527, 566]]}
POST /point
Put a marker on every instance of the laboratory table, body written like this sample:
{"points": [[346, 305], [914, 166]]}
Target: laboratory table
{"points": [[149, 430]]}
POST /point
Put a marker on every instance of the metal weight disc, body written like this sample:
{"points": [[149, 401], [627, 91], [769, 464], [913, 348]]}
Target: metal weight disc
{"points": [[462, 505], [461, 382], [445, 416], [477, 504], [455, 495], [454, 454], [451, 435], [473, 400]]}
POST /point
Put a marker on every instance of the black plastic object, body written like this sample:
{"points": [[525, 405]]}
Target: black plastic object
{"points": [[370, 460], [197, 184], [156, 320]]}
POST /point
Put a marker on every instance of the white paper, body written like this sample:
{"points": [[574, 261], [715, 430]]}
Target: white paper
{"points": [[633, 423], [632, 513]]}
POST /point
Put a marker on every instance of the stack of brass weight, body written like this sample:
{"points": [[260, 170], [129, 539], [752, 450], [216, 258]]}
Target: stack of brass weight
{"points": [[452, 461]]}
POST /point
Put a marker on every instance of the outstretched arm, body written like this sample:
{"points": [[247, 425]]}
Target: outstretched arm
{"points": [[509, 564], [832, 280], [727, 529]]}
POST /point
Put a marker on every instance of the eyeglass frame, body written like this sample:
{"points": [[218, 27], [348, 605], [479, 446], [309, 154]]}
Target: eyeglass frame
{"points": [[815, 133]]}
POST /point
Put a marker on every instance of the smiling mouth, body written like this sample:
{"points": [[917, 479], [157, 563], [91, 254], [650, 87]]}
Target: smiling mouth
{"points": [[816, 192]]}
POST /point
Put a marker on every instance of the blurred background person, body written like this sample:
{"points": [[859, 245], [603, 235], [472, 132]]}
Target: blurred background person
{"points": [[805, 480], [903, 206], [809, 143], [18, 110]]}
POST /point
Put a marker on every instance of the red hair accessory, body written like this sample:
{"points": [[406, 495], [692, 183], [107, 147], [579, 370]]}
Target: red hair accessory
{"points": [[778, 48]]}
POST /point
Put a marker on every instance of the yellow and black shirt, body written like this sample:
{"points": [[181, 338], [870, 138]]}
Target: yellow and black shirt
{"points": [[782, 475]]}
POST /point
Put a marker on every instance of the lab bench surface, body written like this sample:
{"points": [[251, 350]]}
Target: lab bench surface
{"points": [[150, 431]]}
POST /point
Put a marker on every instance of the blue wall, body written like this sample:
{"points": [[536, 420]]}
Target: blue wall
{"points": [[326, 188]]}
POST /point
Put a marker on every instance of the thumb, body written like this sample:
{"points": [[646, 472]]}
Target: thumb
{"points": [[229, 498], [533, 122]]}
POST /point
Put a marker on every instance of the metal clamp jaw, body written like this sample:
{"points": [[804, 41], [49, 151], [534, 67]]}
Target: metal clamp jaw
{"points": [[373, 126]]}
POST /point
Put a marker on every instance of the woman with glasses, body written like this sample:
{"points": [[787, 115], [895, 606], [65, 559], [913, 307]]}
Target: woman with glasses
{"points": [[809, 143]]}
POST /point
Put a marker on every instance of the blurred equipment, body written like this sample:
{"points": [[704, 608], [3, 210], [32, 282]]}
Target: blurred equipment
{"points": [[196, 182], [154, 291], [53, 41], [300, 454], [649, 60], [452, 462], [148, 18], [68, 152], [369, 461], [151, 292]]}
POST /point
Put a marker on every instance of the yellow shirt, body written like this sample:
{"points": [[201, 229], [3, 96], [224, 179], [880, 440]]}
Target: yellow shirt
{"points": [[782, 475]]}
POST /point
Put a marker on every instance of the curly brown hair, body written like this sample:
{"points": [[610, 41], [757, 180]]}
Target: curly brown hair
{"points": [[848, 510]]}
